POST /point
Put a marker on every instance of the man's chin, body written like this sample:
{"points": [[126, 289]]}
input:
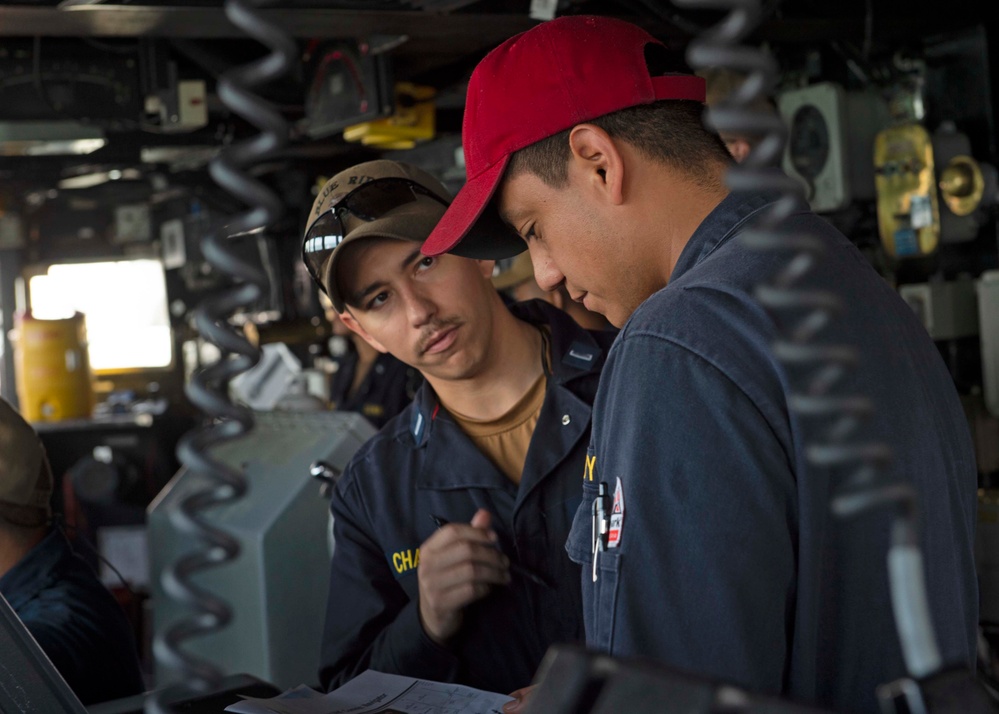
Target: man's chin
{"points": [[454, 366], [616, 315]]}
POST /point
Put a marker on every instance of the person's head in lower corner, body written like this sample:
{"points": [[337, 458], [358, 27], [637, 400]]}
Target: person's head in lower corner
{"points": [[25, 483], [585, 135], [362, 247], [516, 281]]}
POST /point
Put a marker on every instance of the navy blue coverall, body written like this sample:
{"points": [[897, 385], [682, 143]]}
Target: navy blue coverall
{"points": [[75, 620], [422, 464], [725, 558]]}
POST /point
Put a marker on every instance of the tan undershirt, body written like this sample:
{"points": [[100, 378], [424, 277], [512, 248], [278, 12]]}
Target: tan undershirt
{"points": [[505, 440]]}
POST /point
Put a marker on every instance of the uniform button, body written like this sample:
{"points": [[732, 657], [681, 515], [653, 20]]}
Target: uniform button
{"points": [[565, 420]]}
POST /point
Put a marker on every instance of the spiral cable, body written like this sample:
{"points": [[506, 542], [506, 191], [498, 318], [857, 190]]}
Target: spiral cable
{"points": [[208, 388], [806, 312]]}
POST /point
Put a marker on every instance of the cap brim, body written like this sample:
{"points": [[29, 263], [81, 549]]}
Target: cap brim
{"points": [[24, 516], [471, 227], [410, 222]]}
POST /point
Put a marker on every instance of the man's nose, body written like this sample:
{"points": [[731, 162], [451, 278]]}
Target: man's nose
{"points": [[419, 307], [546, 273]]}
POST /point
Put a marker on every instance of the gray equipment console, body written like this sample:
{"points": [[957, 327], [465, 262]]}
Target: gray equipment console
{"points": [[277, 586]]}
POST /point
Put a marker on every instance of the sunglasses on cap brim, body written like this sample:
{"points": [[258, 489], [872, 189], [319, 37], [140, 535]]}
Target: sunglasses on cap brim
{"points": [[368, 202]]}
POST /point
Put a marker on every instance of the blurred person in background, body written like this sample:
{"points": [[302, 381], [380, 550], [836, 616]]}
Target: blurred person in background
{"points": [[55, 593], [371, 383], [720, 83], [518, 283]]}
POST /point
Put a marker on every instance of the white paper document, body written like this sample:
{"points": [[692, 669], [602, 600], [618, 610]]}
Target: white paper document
{"points": [[375, 692]]}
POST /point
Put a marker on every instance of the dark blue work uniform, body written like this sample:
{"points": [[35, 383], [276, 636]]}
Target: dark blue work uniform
{"points": [[385, 391], [730, 562], [75, 620], [422, 464]]}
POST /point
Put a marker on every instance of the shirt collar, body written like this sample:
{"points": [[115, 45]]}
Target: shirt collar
{"points": [[575, 353], [720, 225], [32, 572]]}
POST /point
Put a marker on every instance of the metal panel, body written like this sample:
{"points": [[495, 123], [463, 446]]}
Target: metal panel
{"points": [[277, 586], [988, 316], [462, 32]]}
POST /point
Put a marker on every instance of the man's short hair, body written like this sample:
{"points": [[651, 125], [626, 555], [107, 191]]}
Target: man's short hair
{"points": [[671, 132], [602, 66]]}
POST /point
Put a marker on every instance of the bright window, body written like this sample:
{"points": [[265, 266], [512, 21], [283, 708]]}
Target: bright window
{"points": [[125, 304]]}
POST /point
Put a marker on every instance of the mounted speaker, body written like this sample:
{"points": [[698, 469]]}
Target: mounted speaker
{"points": [[830, 142], [350, 85]]}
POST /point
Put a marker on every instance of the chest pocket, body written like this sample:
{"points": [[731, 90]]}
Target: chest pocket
{"points": [[600, 597]]}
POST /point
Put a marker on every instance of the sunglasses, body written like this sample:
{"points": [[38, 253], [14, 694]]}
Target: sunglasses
{"points": [[368, 202]]}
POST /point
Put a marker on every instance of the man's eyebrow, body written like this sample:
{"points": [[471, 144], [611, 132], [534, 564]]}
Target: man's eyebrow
{"points": [[411, 258], [511, 217], [358, 297]]}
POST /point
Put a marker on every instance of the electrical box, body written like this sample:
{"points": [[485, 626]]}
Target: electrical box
{"points": [[988, 320], [350, 84], [905, 178], [192, 105], [11, 231], [277, 586], [132, 224], [948, 310], [829, 148], [172, 243], [181, 107]]}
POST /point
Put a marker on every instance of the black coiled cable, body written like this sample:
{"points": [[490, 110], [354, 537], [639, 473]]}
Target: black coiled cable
{"points": [[807, 311], [208, 389]]}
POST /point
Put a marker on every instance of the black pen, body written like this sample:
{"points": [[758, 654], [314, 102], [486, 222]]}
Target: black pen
{"points": [[515, 567]]}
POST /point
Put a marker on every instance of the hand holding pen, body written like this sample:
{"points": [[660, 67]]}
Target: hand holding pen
{"points": [[515, 567], [459, 564]]}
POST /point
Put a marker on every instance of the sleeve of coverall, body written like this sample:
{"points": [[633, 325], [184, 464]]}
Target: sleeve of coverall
{"points": [[370, 621], [705, 569]]}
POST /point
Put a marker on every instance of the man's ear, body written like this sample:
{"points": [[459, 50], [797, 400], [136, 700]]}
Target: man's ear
{"points": [[486, 267], [597, 160], [350, 321]]}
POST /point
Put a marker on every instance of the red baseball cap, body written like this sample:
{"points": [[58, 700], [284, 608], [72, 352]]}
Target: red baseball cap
{"points": [[548, 79]]}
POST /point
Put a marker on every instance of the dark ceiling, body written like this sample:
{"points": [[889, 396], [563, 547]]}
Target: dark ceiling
{"points": [[434, 43]]}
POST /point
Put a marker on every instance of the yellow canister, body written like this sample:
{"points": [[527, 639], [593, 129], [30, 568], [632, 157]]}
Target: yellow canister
{"points": [[52, 368]]}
